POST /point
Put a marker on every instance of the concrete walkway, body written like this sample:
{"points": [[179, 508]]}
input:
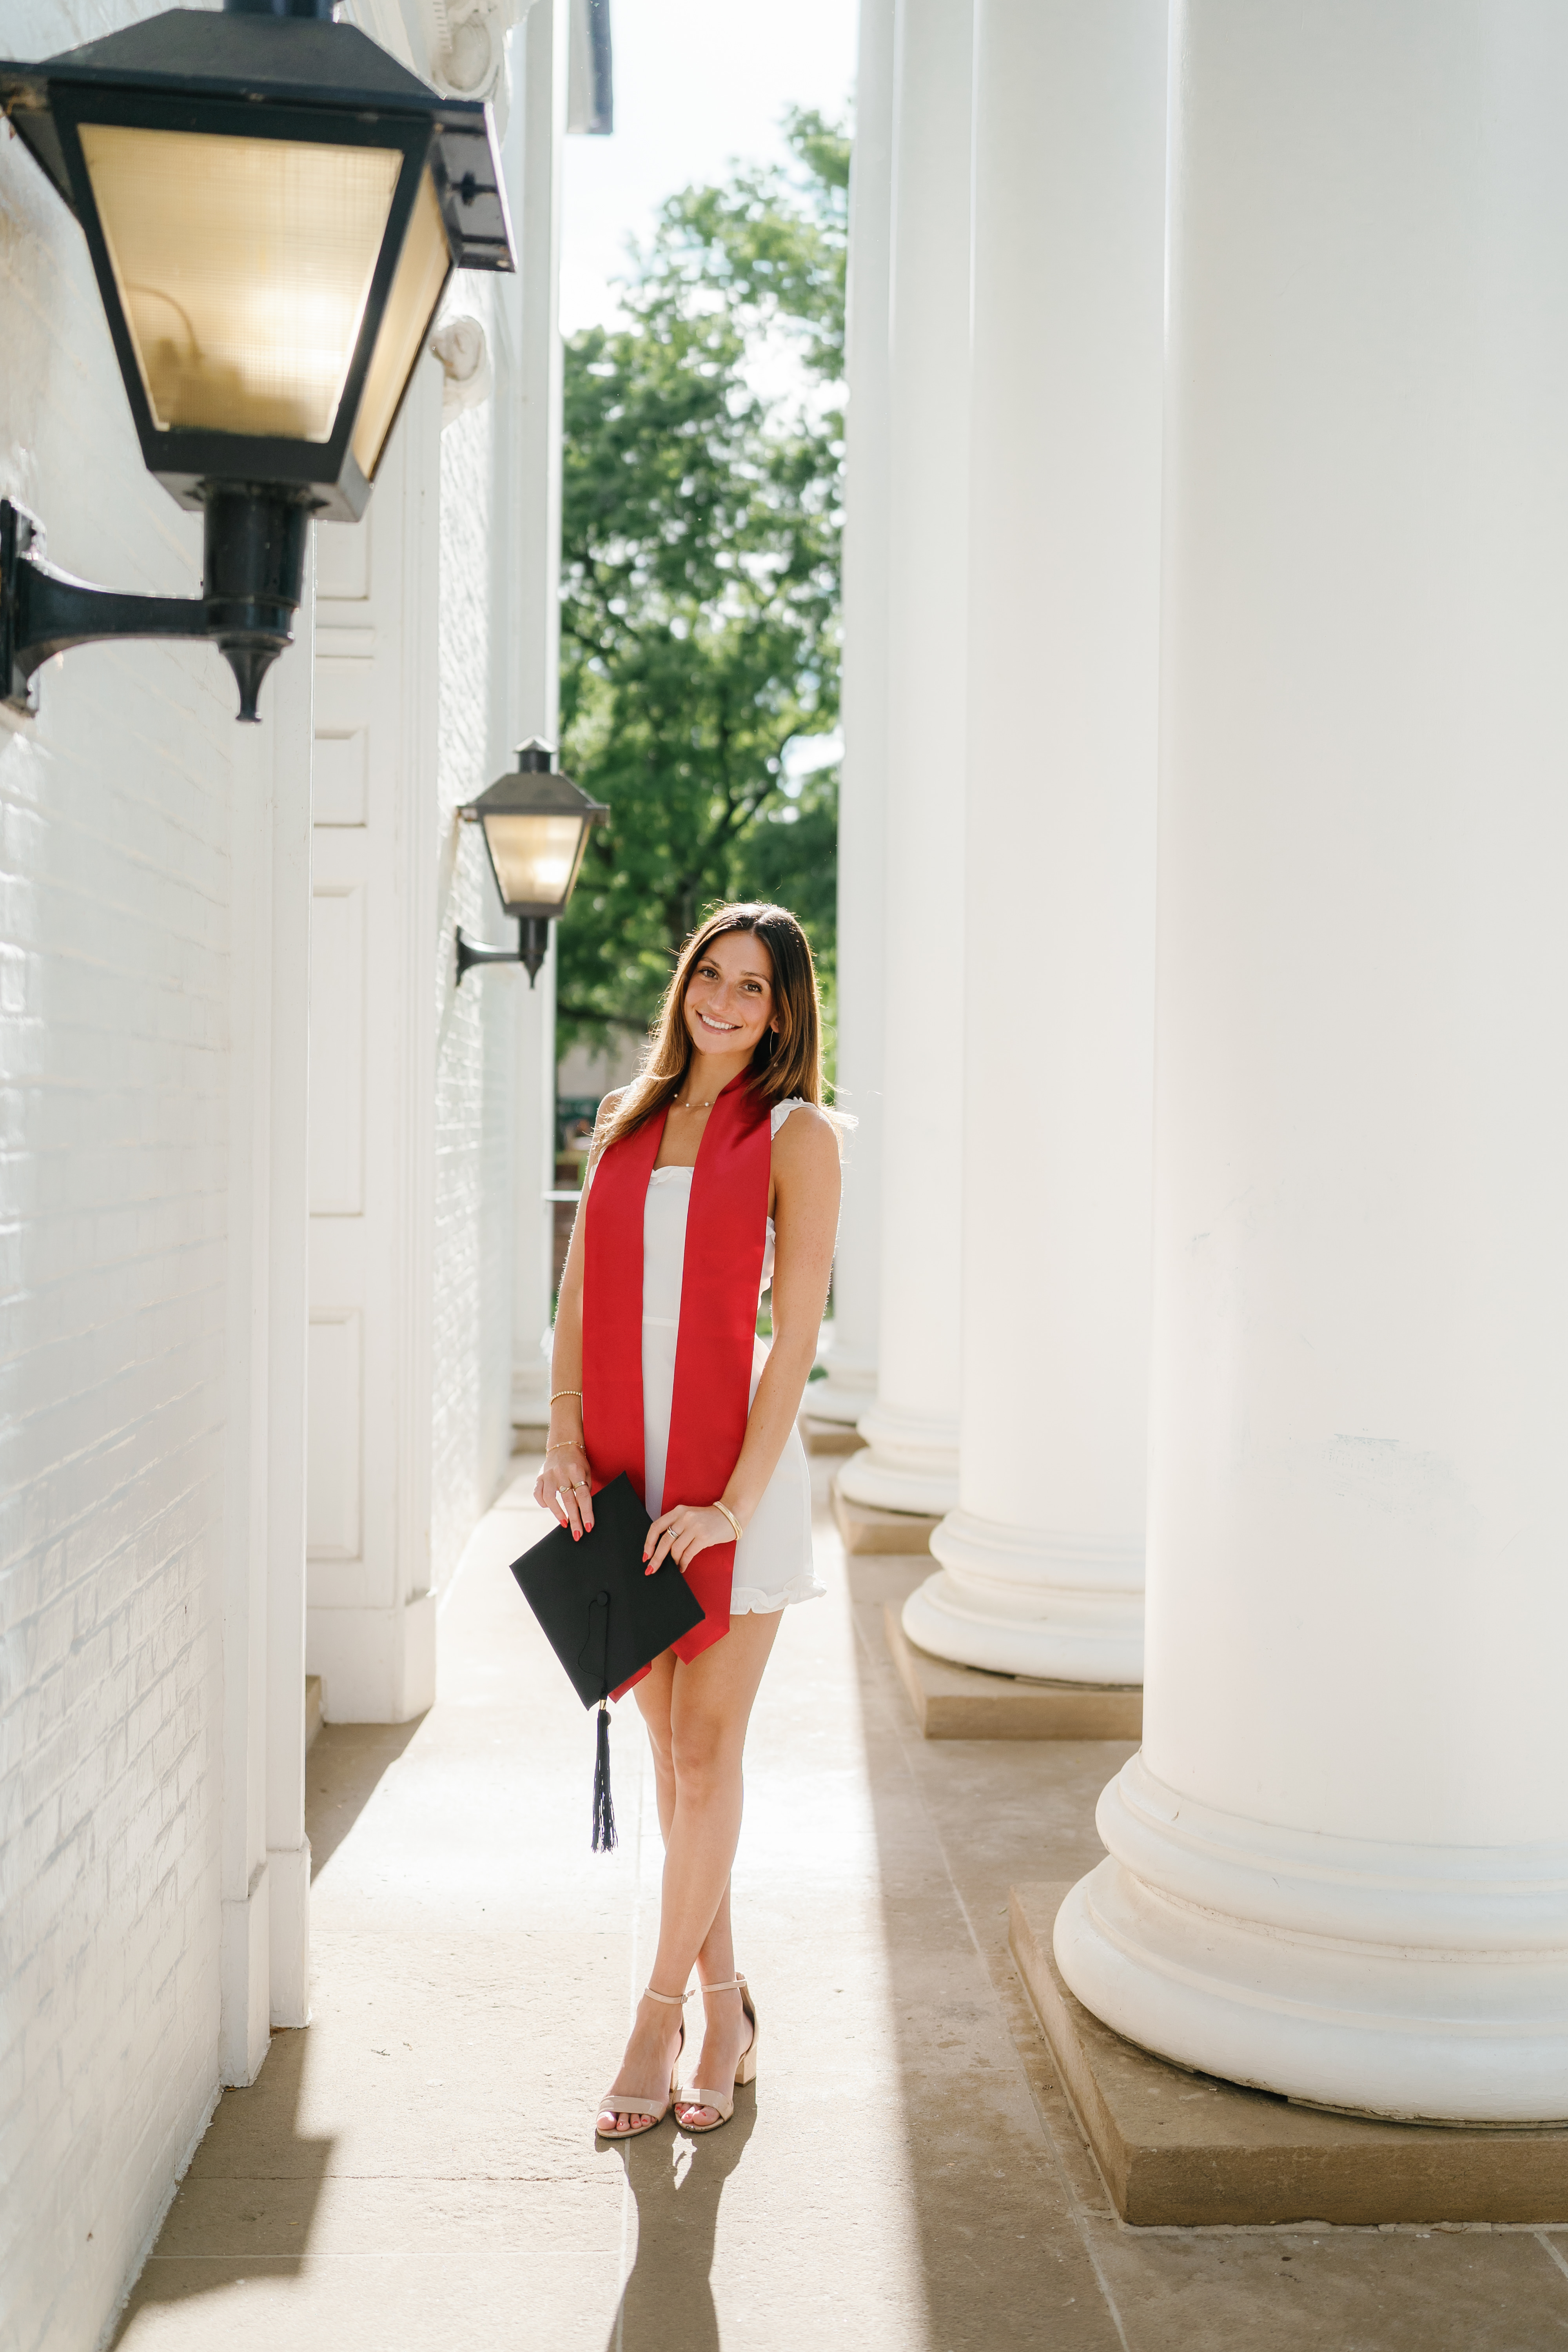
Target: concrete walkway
{"points": [[417, 2170]]}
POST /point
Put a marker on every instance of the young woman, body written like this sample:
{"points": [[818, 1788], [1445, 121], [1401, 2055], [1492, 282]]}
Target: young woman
{"points": [[716, 1170]]}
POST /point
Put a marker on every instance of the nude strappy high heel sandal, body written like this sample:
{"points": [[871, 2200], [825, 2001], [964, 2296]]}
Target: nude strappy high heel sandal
{"points": [[626, 2103], [745, 2066]]}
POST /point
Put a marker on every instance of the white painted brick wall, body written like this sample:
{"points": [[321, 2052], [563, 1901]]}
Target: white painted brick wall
{"points": [[115, 917], [114, 898], [476, 1057]]}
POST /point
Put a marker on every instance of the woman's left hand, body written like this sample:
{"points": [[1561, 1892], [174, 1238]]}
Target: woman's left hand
{"points": [[682, 1533]]}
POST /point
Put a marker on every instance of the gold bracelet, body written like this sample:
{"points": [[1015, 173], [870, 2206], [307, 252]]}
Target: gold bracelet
{"points": [[730, 1515], [561, 1392]]}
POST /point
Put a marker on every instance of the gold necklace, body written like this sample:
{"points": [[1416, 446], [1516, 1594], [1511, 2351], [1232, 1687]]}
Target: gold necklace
{"points": [[692, 1105]]}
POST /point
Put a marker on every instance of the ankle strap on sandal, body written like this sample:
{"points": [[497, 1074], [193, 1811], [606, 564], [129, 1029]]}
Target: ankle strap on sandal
{"points": [[736, 1984], [672, 2000]]}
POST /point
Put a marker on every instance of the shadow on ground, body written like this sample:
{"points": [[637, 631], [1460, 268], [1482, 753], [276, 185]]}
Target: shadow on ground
{"points": [[253, 2183], [678, 2184], [1006, 2268], [1019, 2246], [342, 1771], [252, 2189]]}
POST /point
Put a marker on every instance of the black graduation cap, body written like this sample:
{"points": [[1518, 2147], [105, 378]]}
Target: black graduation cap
{"points": [[603, 1615]]}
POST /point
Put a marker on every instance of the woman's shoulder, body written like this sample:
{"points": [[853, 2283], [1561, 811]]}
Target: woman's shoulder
{"points": [[804, 1133], [818, 1120]]}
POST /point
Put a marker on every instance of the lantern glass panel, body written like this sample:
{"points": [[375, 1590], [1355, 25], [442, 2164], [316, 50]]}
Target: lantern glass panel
{"points": [[422, 270], [535, 858], [243, 268]]}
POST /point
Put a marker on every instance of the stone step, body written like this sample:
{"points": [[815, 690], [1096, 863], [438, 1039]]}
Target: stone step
{"points": [[829, 1436], [962, 1703], [865, 1529]]}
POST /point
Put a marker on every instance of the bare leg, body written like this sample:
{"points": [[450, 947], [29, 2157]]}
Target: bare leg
{"points": [[715, 1960], [697, 1716]]}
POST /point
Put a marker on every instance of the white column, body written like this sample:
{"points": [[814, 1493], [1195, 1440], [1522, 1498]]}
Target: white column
{"points": [[539, 49], [910, 1461], [288, 1308], [1339, 1867], [244, 1995], [265, 1956], [851, 1384], [1043, 1561]]}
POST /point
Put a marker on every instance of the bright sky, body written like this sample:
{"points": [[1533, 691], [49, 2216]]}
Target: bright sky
{"points": [[697, 83]]}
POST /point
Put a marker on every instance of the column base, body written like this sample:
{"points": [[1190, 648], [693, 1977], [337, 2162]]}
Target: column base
{"points": [[910, 1462], [846, 1394], [1412, 1983], [243, 1967], [1018, 1600], [288, 1936], [377, 1666], [1181, 2151]]}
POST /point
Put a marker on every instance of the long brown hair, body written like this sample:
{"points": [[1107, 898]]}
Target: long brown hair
{"points": [[785, 1065]]}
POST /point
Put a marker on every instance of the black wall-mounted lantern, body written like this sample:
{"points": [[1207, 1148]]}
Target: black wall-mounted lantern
{"points": [[536, 824], [273, 207]]}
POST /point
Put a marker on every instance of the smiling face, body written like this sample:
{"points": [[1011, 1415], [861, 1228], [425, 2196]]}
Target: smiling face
{"points": [[730, 996]]}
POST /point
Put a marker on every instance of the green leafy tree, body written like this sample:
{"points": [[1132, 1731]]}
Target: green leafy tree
{"points": [[701, 577]]}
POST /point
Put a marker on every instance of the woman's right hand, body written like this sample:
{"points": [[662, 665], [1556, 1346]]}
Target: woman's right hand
{"points": [[563, 1487]]}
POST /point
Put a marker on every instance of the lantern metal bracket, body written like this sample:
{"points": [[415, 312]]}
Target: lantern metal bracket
{"points": [[533, 945], [252, 576]]}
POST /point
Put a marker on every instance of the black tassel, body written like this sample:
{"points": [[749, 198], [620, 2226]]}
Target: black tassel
{"points": [[603, 1811]]}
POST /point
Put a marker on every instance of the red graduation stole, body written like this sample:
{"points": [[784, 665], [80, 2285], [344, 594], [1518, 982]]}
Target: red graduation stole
{"points": [[726, 1236]]}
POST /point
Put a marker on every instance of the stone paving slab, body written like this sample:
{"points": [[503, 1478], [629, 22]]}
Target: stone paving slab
{"points": [[996, 1813], [417, 2169], [372, 2302]]}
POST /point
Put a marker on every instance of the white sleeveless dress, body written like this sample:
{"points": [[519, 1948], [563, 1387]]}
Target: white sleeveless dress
{"points": [[773, 1558]]}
